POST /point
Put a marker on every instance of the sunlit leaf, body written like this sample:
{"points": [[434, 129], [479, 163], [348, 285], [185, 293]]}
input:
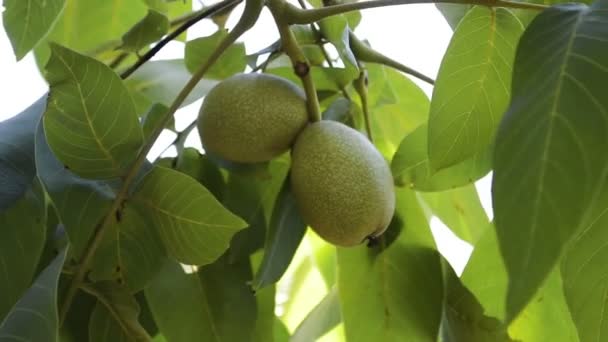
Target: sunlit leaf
{"points": [[473, 86], [148, 30], [552, 134], [320, 320], [461, 210], [194, 227], [27, 22], [90, 120], [233, 60], [411, 166], [393, 291]]}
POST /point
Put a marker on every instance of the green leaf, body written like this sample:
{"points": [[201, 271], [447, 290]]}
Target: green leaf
{"points": [[411, 167], [160, 82], [198, 166], [90, 120], [27, 22], [453, 13], [116, 315], [285, 233], [131, 251], [152, 119], [233, 60], [265, 317], [546, 317], [84, 26], [253, 199], [75, 327], [584, 273], [344, 111], [150, 29], [463, 316], [80, 203], [336, 30], [473, 86], [17, 166], [34, 317], [556, 126], [214, 304], [320, 320], [397, 106], [23, 231], [194, 227], [393, 291], [461, 210]]}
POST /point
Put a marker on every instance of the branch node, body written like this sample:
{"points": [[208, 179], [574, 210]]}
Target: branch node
{"points": [[302, 69]]}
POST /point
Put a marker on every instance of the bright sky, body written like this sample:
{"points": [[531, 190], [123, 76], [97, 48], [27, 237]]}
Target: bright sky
{"points": [[416, 35]]}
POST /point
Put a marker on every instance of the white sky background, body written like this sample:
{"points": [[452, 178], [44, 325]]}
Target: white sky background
{"points": [[416, 35]]}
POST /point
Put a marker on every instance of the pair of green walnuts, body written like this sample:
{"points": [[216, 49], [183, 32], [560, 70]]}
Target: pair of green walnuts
{"points": [[342, 184]]}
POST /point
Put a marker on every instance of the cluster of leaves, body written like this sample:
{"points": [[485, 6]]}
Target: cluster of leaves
{"points": [[191, 248]]}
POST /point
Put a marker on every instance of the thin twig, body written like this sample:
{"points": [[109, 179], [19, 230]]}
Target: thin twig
{"points": [[181, 29], [295, 15]]}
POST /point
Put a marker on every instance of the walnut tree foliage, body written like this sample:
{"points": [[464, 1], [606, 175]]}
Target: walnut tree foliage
{"points": [[99, 243]]}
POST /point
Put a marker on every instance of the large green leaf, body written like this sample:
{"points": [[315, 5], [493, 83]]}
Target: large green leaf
{"points": [[553, 133], [285, 233], [194, 227], [116, 315], [17, 166], [151, 28], [233, 60], [397, 106], [584, 272], [214, 304], [35, 317], [320, 320], [161, 81], [23, 231], [546, 318], [463, 316], [198, 166], [411, 166], [80, 203], [131, 251], [90, 120], [461, 210], [453, 13], [253, 200], [393, 291], [473, 86], [27, 22], [89, 25]]}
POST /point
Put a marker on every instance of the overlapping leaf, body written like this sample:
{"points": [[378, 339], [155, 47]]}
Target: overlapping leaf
{"points": [[198, 51], [286, 231], [27, 22], [214, 304], [17, 166], [90, 31], [23, 231], [151, 28], [320, 320], [548, 169], [90, 121], [473, 86], [393, 291], [160, 81], [411, 166], [116, 315], [35, 317], [194, 227]]}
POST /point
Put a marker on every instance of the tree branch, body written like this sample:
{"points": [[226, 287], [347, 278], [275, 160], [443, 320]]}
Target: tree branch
{"points": [[211, 10], [249, 17], [295, 15]]}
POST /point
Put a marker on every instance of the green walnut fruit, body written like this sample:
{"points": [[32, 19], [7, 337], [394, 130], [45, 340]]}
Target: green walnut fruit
{"points": [[251, 118], [342, 185]]}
